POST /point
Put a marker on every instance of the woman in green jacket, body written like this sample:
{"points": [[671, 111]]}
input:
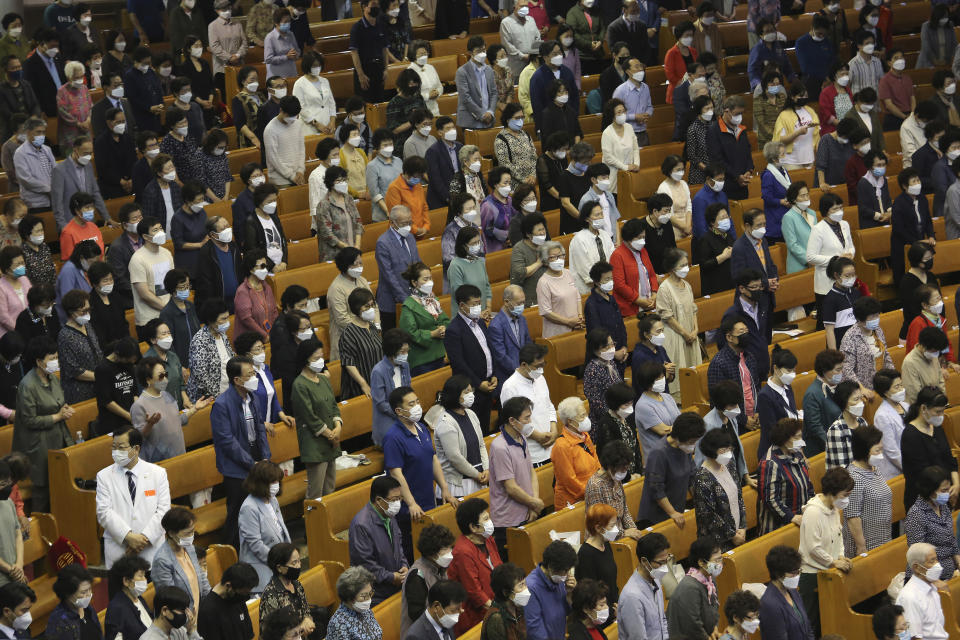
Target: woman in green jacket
{"points": [[469, 266], [318, 420], [423, 318]]}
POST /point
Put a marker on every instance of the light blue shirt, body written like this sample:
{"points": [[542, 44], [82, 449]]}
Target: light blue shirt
{"points": [[275, 48], [51, 66], [636, 98], [482, 84], [640, 612]]}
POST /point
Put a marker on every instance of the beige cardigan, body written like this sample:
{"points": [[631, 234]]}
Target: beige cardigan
{"points": [[821, 535]]}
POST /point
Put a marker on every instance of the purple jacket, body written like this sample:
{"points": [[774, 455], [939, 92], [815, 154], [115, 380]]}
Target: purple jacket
{"points": [[380, 553]]}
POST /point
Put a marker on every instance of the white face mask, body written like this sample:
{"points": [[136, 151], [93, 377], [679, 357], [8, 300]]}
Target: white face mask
{"points": [[120, 458], [686, 41], [759, 232], [416, 412], [426, 288], [556, 60], [787, 377], [165, 343], [682, 272], [791, 582], [750, 626], [934, 572], [317, 365], [856, 409], [280, 93], [638, 243], [556, 265], [724, 458], [369, 315], [538, 240], [659, 385], [504, 190], [260, 274], [841, 503], [521, 598], [899, 396], [306, 334], [22, 623], [445, 559]]}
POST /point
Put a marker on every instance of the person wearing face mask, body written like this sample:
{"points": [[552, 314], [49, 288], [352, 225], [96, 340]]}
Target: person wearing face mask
{"points": [[269, 109], [863, 344], [219, 270], [590, 605], [769, 49], [815, 55], [316, 98], [592, 243], [280, 48], [381, 171], [214, 166], [520, 36], [461, 213], [147, 266], [641, 604], [574, 456], [836, 99], [375, 539], [606, 355], [156, 412], [694, 608], [776, 400], [360, 344], [114, 155], [675, 306], [669, 472], [931, 315], [73, 273], [713, 249], [656, 410], [888, 418], [13, 43], [798, 129], [736, 360], [921, 440], [619, 143], [505, 617], [468, 266], [919, 600], [223, 613], [430, 86], [768, 105], [408, 117], [558, 114], [742, 609], [283, 150], [73, 107], [897, 90], [74, 616], [391, 372], [354, 620], [179, 316], [679, 56], [782, 613], [836, 308], [821, 542], [444, 605], [423, 318], [143, 87], [132, 527], [635, 281], [921, 366], [316, 417], [839, 438], [261, 523], [209, 351], [115, 384], [175, 564], [435, 543], [184, 19], [80, 226], [245, 106], [338, 221], [784, 484], [910, 214], [188, 227], [889, 623], [45, 73], [79, 347], [443, 163], [727, 145], [128, 613], [14, 287], [250, 345], [929, 520], [717, 497], [256, 309], [16, 126], [38, 318], [868, 515], [866, 70]]}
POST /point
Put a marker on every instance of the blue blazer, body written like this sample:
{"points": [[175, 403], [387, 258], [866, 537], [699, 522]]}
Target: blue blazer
{"points": [[503, 342], [123, 617], [392, 261], [923, 160], [230, 435], [440, 170], [867, 202], [541, 80], [772, 409], [259, 532], [464, 352], [761, 331], [943, 177], [381, 384], [781, 621], [773, 192], [167, 572], [906, 229], [744, 256]]}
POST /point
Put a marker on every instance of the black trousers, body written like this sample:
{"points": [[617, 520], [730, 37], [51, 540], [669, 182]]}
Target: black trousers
{"points": [[500, 537], [387, 320], [235, 494], [406, 533], [374, 91], [482, 406], [811, 600]]}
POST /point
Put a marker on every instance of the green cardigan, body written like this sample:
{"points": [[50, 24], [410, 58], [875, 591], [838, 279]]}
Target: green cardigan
{"points": [[583, 35], [418, 322], [313, 407]]}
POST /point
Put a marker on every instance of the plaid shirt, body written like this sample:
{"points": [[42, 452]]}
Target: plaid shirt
{"points": [[726, 366], [783, 488], [839, 443], [260, 21], [603, 489]]}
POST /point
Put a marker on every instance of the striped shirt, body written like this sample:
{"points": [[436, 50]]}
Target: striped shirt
{"points": [[784, 487], [361, 348]]}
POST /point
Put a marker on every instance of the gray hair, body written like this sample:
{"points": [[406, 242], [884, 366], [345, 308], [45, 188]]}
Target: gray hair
{"points": [[510, 292], [71, 67], [568, 409], [351, 582], [33, 122], [465, 152], [733, 102], [398, 209], [771, 151], [917, 553], [547, 247]]}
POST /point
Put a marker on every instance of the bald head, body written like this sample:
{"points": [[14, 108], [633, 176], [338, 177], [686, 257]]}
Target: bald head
{"points": [[513, 295], [400, 215]]}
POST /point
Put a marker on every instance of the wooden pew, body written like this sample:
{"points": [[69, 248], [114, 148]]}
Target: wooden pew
{"points": [[388, 614]]}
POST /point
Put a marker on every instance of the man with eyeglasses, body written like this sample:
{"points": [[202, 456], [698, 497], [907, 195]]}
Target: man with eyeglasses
{"points": [[375, 540], [640, 611], [734, 361], [132, 496]]}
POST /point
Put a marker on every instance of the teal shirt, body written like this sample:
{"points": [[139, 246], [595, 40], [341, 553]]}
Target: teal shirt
{"points": [[470, 271], [796, 232]]}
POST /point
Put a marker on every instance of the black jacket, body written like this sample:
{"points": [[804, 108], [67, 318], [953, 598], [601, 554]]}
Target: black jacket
{"points": [[635, 37], [114, 161], [122, 617], [209, 280], [183, 324], [30, 327], [98, 116], [253, 235], [74, 42], [35, 71], [9, 104]]}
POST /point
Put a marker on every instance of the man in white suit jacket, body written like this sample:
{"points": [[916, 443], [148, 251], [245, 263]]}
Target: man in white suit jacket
{"points": [[132, 496]]}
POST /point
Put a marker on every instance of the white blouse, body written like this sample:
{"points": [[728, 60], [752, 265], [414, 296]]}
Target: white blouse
{"points": [[316, 102], [619, 152], [429, 80]]}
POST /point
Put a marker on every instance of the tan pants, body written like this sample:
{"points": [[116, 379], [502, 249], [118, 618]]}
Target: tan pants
{"points": [[321, 479]]}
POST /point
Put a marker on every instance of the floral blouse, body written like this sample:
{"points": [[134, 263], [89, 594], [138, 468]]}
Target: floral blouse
{"points": [[504, 81], [275, 596], [40, 268], [517, 153], [860, 363], [215, 172], [598, 376], [184, 155], [65, 624], [206, 370], [713, 509], [335, 222], [696, 150], [78, 353], [350, 624], [73, 107], [765, 116]]}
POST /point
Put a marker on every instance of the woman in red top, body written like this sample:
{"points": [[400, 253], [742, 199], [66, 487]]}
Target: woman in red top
{"points": [[629, 291], [679, 56], [835, 99], [589, 611], [475, 556], [931, 315], [254, 305]]}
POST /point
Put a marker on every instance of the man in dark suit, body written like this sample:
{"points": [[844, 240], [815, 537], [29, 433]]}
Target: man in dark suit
{"points": [[44, 71], [16, 94], [16, 598], [753, 306], [211, 281], [628, 28], [239, 437], [443, 160], [396, 250], [112, 99], [508, 332], [751, 251], [115, 156], [142, 88], [468, 349], [444, 604]]}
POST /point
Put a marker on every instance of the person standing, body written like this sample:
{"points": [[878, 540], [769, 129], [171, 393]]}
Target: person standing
{"points": [[318, 420], [368, 51]]}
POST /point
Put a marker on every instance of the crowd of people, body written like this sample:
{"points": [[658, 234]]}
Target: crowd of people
{"points": [[208, 313]]}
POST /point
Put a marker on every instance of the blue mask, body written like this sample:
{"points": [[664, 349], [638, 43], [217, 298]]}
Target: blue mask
{"points": [[38, 141], [87, 215], [413, 182], [943, 497], [285, 27], [183, 294], [724, 225], [872, 325], [517, 310], [878, 171], [516, 124], [579, 166], [20, 271]]}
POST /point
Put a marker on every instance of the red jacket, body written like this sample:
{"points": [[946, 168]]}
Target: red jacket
{"points": [[675, 68], [917, 325], [626, 278], [472, 569]]}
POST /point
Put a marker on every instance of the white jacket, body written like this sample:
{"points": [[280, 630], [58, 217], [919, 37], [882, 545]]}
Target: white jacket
{"points": [[429, 80], [821, 535], [822, 245], [911, 139], [583, 255], [316, 104], [119, 516]]}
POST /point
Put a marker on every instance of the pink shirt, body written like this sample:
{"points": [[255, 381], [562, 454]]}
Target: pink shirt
{"points": [[11, 304], [559, 295]]}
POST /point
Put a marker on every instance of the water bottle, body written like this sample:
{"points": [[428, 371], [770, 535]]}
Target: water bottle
{"points": [[79, 437]]}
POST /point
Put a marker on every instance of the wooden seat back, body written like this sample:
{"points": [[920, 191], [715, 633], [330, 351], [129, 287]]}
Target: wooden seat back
{"points": [[219, 557], [388, 613], [74, 508], [328, 520]]}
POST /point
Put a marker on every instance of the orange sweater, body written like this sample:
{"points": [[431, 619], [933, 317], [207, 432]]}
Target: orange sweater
{"points": [[572, 467], [399, 192]]}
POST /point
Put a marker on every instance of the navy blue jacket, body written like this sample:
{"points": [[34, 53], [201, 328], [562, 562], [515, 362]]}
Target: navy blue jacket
{"points": [[123, 618], [503, 342], [229, 429], [745, 256], [440, 171], [772, 409], [761, 332], [734, 153], [464, 352], [780, 620], [143, 91], [539, 83]]}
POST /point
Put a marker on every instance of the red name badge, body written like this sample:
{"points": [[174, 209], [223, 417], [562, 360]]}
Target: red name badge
{"points": [[150, 492]]}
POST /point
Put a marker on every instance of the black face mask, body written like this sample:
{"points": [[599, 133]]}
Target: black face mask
{"points": [[178, 620], [5, 493], [928, 265], [292, 573], [743, 341], [374, 11], [622, 61]]}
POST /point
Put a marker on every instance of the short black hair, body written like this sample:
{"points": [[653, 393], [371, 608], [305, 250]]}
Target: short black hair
{"points": [[240, 576], [724, 394], [618, 394], [651, 545], [740, 604], [503, 581], [616, 454], [688, 426], [885, 619], [714, 440], [933, 338], [930, 479], [883, 380], [69, 580], [782, 560], [865, 438], [433, 538], [13, 594], [559, 556], [468, 514], [835, 481], [397, 395], [531, 352], [827, 360], [382, 486], [446, 593], [393, 341], [865, 307], [784, 429]]}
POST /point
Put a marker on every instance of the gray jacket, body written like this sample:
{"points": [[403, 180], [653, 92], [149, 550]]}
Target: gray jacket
{"points": [[65, 183], [691, 613], [422, 629], [930, 41], [261, 527], [469, 101], [452, 449], [167, 572]]}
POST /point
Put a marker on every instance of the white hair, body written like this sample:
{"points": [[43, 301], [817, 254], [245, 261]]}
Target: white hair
{"points": [[397, 209], [71, 67], [569, 408], [547, 247], [917, 553]]}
